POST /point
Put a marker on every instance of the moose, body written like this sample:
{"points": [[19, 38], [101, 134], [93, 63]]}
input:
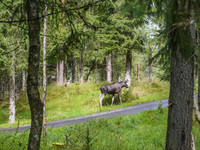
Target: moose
{"points": [[114, 88]]}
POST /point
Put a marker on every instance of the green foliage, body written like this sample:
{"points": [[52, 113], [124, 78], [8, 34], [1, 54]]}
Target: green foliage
{"points": [[22, 103], [160, 107], [128, 96]]}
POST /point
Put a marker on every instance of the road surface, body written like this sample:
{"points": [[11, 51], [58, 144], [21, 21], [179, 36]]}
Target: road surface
{"points": [[105, 115]]}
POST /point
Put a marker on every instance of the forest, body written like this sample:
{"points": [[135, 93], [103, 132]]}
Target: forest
{"points": [[55, 55]]}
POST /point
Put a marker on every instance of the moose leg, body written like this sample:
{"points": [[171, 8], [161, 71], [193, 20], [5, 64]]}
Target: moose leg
{"points": [[101, 96], [120, 98], [113, 98]]}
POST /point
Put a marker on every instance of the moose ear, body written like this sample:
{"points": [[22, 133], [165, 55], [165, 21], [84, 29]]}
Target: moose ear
{"points": [[126, 81]]}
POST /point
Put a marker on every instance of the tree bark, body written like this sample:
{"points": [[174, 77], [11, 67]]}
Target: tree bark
{"points": [[61, 72], [192, 142], [18, 85], [128, 66], [197, 104], [89, 71], [74, 70], [24, 80], [81, 66], [12, 92], [44, 72], [138, 72], [180, 103], [96, 72], [179, 126], [196, 109], [3, 89], [150, 66], [109, 68], [35, 103], [57, 72], [65, 70]]}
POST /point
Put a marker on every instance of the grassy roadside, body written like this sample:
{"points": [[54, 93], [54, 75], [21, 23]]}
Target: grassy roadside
{"points": [[144, 131], [81, 99]]}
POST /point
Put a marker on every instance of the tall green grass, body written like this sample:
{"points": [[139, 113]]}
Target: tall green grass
{"points": [[81, 99], [144, 131]]}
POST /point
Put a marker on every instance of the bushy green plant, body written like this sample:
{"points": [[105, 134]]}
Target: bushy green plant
{"points": [[160, 107], [128, 96]]}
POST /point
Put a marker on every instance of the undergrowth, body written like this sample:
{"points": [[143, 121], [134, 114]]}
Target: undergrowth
{"points": [[144, 131], [81, 99]]}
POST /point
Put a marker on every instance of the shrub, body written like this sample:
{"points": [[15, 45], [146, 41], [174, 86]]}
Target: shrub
{"points": [[128, 96]]}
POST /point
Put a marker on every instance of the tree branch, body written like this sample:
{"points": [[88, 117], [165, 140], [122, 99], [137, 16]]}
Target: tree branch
{"points": [[49, 14]]}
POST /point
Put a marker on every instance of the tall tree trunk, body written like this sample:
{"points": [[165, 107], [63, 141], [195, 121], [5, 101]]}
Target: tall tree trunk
{"points": [[96, 72], [150, 65], [180, 102], [18, 84], [179, 126], [138, 72], [3, 89], [196, 105], [109, 68], [128, 66], [35, 103], [89, 71], [57, 72], [12, 92], [44, 72], [88, 76], [24, 80], [65, 70], [74, 70], [60, 72], [192, 142], [81, 66], [199, 88]]}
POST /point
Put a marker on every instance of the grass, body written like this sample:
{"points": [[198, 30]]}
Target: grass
{"points": [[144, 131], [81, 99]]}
